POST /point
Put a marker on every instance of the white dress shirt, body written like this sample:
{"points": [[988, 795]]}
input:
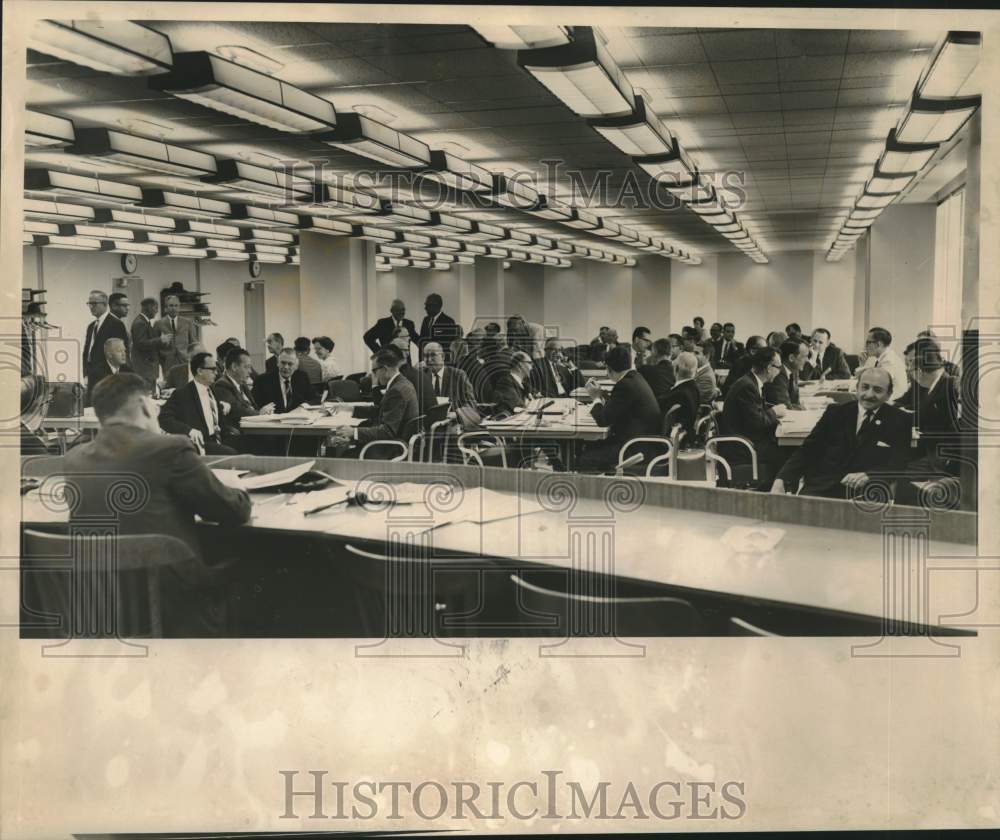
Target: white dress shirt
{"points": [[209, 407], [560, 390], [893, 364], [329, 366]]}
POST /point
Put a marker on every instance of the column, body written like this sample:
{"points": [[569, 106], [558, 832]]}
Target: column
{"points": [[489, 290]]}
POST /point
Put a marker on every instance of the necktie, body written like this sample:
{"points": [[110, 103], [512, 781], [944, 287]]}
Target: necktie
{"points": [[91, 335], [437, 384], [173, 325], [865, 423], [286, 391], [215, 414]]}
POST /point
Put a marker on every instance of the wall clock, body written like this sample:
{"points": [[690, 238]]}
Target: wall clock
{"points": [[129, 263], [254, 268]]}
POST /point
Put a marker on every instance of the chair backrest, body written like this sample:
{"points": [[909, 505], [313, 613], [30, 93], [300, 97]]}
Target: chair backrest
{"points": [[346, 389], [84, 586], [436, 414], [669, 419], [578, 614], [852, 362]]}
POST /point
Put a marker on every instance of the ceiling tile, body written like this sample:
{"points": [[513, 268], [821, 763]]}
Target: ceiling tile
{"points": [[764, 102], [669, 49], [760, 70], [806, 101], [807, 68], [795, 42], [683, 106], [861, 40], [741, 44]]}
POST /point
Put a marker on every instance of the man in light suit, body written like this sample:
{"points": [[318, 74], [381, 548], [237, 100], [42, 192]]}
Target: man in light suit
{"points": [[878, 353], [146, 343], [104, 326], [176, 486], [437, 326], [552, 377], [181, 331], [195, 412], [851, 444], [379, 335]]}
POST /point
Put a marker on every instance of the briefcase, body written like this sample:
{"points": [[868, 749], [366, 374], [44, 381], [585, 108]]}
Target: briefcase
{"points": [[67, 399]]}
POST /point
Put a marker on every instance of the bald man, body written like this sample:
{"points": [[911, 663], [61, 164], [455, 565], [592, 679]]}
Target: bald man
{"points": [[853, 444], [380, 335]]}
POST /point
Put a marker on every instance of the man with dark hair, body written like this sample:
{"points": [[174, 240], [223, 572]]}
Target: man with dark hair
{"points": [[118, 303], [396, 411], [146, 343], [714, 335], [104, 326], [659, 371], [783, 389], [551, 376], [629, 411], [176, 332], [746, 413], [742, 365], [174, 486], [286, 387], [275, 343], [307, 364], [699, 325], [380, 334], [675, 345], [232, 387], [437, 326], [642, 340], [933, 402], [851, 444], [726, 349], [418, 377], [825, 360], [793, 330], [606, 341], [194, 411], [878, 353]]}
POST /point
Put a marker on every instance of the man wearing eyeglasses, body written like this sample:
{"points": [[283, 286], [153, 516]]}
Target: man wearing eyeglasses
{"points": [[747, 414], [105, 325], [194, 411], [879, 354]]}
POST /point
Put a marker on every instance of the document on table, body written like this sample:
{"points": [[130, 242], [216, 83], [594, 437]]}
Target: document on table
{"points": [[230, 478], [276, 479]]}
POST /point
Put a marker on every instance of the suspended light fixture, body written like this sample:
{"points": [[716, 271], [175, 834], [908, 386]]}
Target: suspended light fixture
{"points": [[364, 136], [45, 131], [141, 152], [121, 47]]}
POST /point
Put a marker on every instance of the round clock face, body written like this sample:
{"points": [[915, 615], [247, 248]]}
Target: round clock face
{"points": [[254, 268], [129, 263]]}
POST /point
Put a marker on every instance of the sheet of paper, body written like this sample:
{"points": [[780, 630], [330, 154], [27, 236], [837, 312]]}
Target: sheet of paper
{"points": [[276, 479], [230, 478]]}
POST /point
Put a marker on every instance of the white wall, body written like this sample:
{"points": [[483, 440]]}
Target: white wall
{"points": [[694, 290], [651, 295], [833, 300], [281, 305], [224, 283]]}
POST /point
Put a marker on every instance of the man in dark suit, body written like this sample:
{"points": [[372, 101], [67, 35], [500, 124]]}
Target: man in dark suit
{"points": [[397, 409], [824, 357], [419, 379], [642, 340], [275, 343], [446, 380], [233, 389], [726, 349], [932, 400], [381, 333], [629, 411], [104, 326], [746, 413], [708, 344], [180, 331], [287, 387], [683, 394], [194, 411], [485, 366], [513, 389], [437, 326], [551, 376], [741, 367], [851, 444], [606, 341], [116, 356], [784, 388], [146, 343], [173, 484], [659, 373]]}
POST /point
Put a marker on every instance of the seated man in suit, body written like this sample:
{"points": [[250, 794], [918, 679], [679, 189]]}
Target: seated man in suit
{"points": [[116, 355], [932, 401], [419, 378], [642, 340], [878, 353], [607, 340], [384, 329], [287, 387], [726, 349], [683, 394], [193, 410], [746, 413], [630, 411], [741, 367], [704, 377], [513, 389], [784, 388], [396, 411], [180, 374], [825, 360], [176, 486], [233, 388], [851, 444], [551, 376], [659, 372], [446, 380]]}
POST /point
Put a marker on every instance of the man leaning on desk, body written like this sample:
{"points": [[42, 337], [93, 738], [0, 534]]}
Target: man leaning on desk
{"points": [[285, 385], [851, 444]]}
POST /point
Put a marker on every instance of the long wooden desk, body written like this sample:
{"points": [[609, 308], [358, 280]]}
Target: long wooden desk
{"points": [[819, 558]]}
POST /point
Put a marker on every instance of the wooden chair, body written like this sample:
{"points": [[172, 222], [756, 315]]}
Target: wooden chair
{"points": [[82, 586]]}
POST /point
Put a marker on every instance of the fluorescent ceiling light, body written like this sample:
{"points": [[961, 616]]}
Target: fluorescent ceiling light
{"points": [[96, 232], [638, 134], [583, 75], [448, 244], [511, 192], [220, 244], [116, 246], [882, 183], [950, 73], [331, 227], [237, 175], [870, 202], [734, 227], [626, 236], [420, 263], [400, 214], [456, 173], [258, 248], [391, 250], [519, 256], [671, 166], [157, 238], [566, 247], [226, 86], [696, 192], [609, 229], [246, 215], [544, 243], [738, 232], [130, 150], [712, 207], [536, 258], [81, 186], [134, 220], [272, 259], [44, 228], [272, 237], [447, 223], [484, 230], [375, 233], [189, 206], [183, 253], [475, 248], [229, 256], [438, 265], [419, 254], [334, 202], [864, 214], [523, 37], [905, 157], [552, 209], [111, 46], [465, 259], [935, 120], [58, 211], [45, 131], [418, 239], [493, 252], [583, 220], [364, 136], [519, 237], [213, 229], [69, 243]]}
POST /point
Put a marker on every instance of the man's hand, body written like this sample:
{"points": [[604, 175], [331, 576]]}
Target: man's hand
{"points": [[166, 339], [779, 410], [855, 481], [267, 409], [197, 438], [797, 407], [345, 432], [778, 487], [593, 389], [224, 406]]}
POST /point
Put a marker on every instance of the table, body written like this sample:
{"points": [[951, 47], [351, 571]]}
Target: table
{"points": [[821, 560], [565, 421]]}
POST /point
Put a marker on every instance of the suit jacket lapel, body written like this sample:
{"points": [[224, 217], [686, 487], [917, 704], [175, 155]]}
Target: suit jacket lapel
{"points": [[197, 407]]}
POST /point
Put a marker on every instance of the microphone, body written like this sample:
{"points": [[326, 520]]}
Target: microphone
{"points": [[541, 409]]}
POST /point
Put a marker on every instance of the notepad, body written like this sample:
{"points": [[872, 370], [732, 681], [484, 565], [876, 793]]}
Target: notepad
{"points": [[276, 479], [230, 478]]}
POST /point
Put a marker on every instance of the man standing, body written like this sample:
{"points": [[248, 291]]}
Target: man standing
{"points": [[879, 354], [851, 444], [275, 344], [825, 360], [104, 326], [181, 333], [784, 388], [194, 411], [726, 349], [286, 386], [118, 303], [176, 487], [551, 377], [446, 380], [146, 343], [659, 373], [381, 333], [708, 345], [437, 326]]}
